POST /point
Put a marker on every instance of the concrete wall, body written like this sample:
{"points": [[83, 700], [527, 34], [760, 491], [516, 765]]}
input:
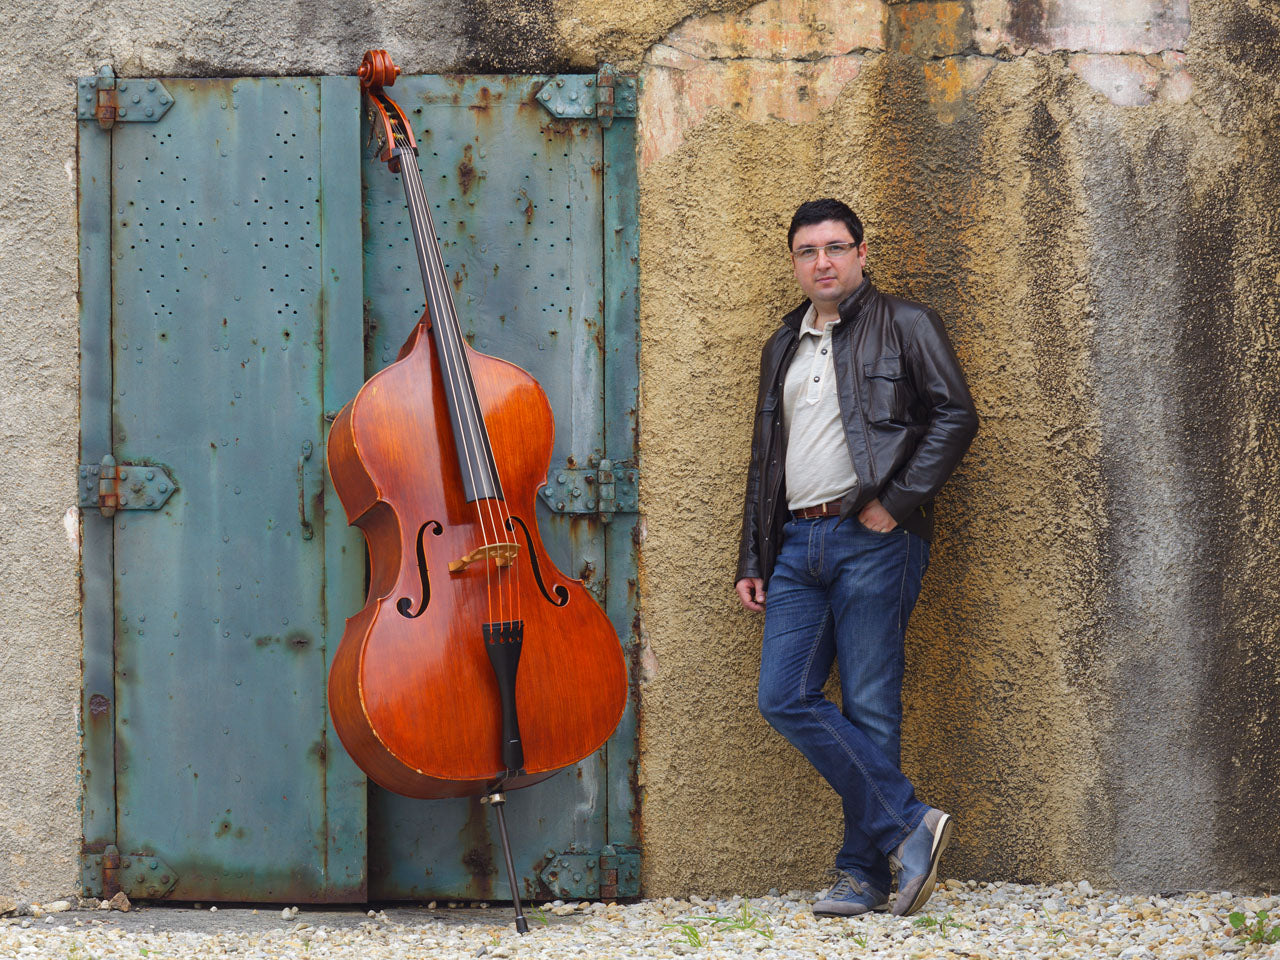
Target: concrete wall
{"points": [[1086, 191]]}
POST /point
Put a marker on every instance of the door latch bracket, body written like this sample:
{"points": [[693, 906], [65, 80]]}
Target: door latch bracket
{"points": [[112, 486]]}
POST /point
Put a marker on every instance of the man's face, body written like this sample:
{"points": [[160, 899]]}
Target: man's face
{"points": [[826, 279]]}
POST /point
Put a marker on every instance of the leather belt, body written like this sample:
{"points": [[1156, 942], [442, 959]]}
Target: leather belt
{"points": [[829, 509]]}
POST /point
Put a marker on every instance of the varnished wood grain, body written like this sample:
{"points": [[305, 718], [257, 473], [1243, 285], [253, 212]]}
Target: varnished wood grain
{"points": [[415, 701]]}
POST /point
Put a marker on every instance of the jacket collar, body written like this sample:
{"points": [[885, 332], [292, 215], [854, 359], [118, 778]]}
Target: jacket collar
{"points": [[849, 307]]}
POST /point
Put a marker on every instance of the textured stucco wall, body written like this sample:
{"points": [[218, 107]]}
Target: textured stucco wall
{"points": [[44, 51], [1093, 674], [1085, 191]]}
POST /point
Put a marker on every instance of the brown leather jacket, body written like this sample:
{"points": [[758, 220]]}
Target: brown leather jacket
{"points": [[908, 418]]}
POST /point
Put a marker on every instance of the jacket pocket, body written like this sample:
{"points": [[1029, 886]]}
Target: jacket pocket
{"points": [[886, 390]]}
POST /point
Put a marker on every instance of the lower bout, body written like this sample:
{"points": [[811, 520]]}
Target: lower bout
{"points": [[410, 783], [389, 772]]}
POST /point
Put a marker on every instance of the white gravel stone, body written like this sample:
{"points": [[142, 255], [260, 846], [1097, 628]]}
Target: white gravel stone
{"points": [[979, 921]]}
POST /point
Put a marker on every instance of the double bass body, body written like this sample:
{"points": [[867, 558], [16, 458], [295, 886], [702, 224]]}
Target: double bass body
{"points": [[413, 692], [415, 698]]}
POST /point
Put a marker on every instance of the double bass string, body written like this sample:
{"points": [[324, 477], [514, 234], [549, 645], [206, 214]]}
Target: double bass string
{"points": [[458, 371], [450, 360], [452, 357]]}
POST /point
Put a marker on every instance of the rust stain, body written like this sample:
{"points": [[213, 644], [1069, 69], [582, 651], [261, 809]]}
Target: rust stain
{"points": [[530, 103], [556, 129], [466, 170], [477, 845], [949, 83], [930, 29], [484, 102], [1029, 21], [320, 751]]}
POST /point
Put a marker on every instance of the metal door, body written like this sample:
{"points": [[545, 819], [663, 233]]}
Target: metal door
{"points": [[223, 268], [519, 198], [211, 241]]}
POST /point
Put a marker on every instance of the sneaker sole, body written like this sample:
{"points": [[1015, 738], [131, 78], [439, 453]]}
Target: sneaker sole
{"points": [[882, 908], [940, 840]]}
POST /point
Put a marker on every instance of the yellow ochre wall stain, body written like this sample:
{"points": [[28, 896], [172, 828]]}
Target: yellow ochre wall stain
{"points": [[1089, 227]]}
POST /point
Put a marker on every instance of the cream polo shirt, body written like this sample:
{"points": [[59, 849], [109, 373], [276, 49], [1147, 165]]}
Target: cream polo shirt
{"points": [[818, 464]]}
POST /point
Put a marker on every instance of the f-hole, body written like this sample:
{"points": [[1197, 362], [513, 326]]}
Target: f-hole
{"points": [[404, 603], [561, 594]]}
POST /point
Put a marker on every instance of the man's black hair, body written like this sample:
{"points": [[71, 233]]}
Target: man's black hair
{"points": [[820, 211]]}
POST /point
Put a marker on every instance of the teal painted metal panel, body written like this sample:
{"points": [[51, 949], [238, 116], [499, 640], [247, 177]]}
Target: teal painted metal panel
{"points": [[342, 328], [218, 283], [516, 196], [97, 707], [621, 417]]}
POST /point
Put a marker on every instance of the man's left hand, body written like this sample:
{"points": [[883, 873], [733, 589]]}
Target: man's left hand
{"points": [[877, 518]]}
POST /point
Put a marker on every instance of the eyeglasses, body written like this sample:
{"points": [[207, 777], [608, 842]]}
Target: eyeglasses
{"points": [[834, 251]]}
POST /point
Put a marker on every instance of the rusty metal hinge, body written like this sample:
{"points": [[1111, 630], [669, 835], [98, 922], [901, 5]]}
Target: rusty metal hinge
{"points": [[142, 876], [613, 872], [605, 95], [110, 100], [104, 103], [608, 488], [110, 486]]}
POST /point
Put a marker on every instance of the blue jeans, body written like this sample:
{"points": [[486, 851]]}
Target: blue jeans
{"points": [[842, 591]]}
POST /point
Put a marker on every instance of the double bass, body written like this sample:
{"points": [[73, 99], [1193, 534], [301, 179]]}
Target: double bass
{"points": [[475, 666]]}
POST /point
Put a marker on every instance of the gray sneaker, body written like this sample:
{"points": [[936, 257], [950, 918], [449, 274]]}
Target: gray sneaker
{"points": [[916, 861], [850, 897]]}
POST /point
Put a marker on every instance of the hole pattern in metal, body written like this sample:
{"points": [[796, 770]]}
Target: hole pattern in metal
{"points": [[216, 315]]}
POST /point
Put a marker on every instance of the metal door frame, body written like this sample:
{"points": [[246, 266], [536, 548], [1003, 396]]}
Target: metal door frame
{"points": [[622, 445], [343, 375]]}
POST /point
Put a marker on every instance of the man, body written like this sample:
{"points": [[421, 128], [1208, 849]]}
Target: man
{"points": [[862, 415]]}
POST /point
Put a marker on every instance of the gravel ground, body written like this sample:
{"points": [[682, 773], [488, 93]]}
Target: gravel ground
{"points": [[962, 920]]}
